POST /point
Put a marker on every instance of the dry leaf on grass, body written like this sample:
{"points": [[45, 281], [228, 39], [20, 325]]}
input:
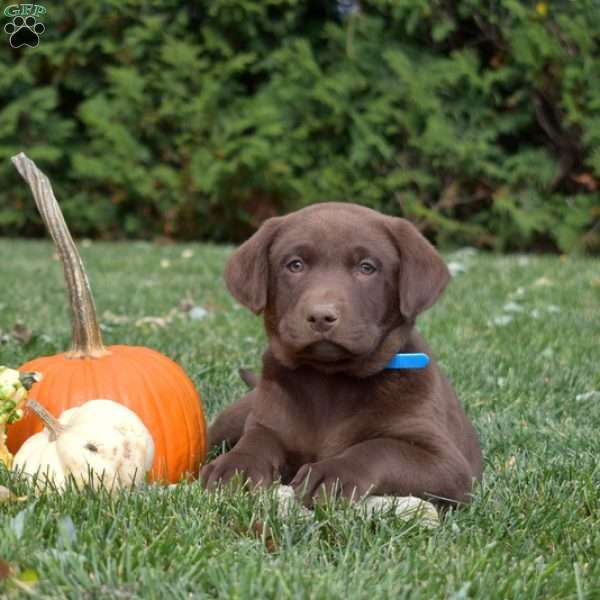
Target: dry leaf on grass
{"points": [[113, 319], [591, 395], [263, 532], [26, 580], [186, 303], [197, 313], [7, 496], [158, 321], [456, 268], [6, 570], [187, 309], [406, 507]]}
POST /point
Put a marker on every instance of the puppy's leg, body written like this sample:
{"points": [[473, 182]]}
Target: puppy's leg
{"points": [[258, 457], [389, 466], [229, 425]]}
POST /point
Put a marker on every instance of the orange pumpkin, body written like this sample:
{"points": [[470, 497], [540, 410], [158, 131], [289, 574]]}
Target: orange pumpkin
{"points": [[147, 382]]}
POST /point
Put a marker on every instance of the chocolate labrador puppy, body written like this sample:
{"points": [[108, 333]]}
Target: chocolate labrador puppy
{"points": [[340, 287]]}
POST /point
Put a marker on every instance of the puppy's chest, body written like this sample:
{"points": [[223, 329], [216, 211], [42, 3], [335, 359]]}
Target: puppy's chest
{"points": [[318, 422]]}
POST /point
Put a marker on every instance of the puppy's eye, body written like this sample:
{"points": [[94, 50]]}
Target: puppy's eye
{"points": [[366, 268], [295, 266]]}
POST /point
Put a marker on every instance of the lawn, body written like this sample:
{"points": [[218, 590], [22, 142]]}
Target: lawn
{"points": [[519, 337]]}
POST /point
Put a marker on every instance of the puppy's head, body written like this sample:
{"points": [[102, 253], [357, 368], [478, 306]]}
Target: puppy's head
{"points": [[340, 285]]}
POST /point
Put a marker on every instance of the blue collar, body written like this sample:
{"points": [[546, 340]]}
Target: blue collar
{"points": [[408, 360]]}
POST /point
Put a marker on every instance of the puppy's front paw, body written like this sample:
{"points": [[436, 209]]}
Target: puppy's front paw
{"points": [[330, 478], [242, 466]]}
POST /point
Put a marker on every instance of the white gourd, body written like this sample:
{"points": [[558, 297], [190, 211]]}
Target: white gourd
{"points": [[100, 443]]}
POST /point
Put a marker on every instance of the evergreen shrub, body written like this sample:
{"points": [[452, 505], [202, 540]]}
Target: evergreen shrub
{"points": [[478, 120]]}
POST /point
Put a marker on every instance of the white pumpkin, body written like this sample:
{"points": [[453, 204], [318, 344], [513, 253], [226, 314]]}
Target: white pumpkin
{"points": [[101, 443]]}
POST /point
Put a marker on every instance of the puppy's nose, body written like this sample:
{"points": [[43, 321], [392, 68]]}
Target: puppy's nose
{"points": [[322, 317]]}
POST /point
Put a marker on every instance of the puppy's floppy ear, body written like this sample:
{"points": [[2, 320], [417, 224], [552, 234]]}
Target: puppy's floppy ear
{"points": [[247, 270], [423, 273]]}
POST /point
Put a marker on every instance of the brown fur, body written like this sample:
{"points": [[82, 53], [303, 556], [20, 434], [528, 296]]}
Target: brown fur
{"points": [[325, 413]]}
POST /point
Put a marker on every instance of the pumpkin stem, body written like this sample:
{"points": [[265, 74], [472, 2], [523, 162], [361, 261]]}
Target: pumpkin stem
{"points": [[50, 421], [87, 340]]}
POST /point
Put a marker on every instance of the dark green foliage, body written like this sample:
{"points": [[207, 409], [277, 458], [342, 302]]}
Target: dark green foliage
{"points": [[478, 120]]}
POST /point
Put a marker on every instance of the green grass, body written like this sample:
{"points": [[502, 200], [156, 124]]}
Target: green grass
{"points": [[532, 531]]}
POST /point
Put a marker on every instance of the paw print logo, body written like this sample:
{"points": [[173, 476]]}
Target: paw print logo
{"points": [[24, 32]]}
